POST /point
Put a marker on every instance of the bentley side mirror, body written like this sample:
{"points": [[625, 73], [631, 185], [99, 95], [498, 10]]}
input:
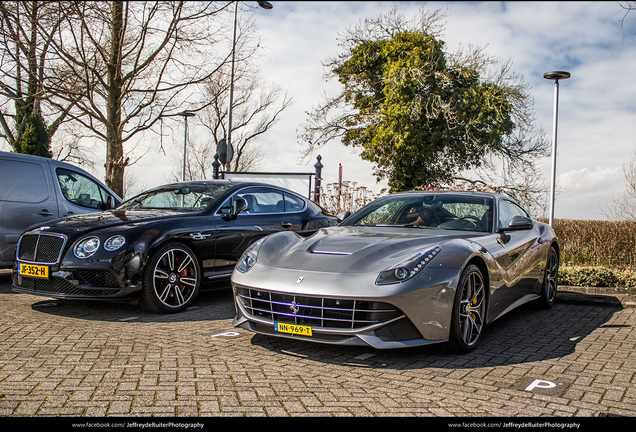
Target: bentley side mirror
{"points": [[239, 205], [343, 215]]}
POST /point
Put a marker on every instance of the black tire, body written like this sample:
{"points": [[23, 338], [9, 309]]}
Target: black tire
{"points": [[550, 280], [171, 279], [469, 312]]}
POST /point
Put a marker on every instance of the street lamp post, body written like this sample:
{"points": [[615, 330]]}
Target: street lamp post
{"points": [[185, 115], [265, 5], [556, 76]]}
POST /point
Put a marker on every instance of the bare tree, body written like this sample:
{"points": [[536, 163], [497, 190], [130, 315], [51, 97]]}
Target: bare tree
{"points": [[624, 207], [627, 6], [257, 107], [130, 64], [26, 104]]}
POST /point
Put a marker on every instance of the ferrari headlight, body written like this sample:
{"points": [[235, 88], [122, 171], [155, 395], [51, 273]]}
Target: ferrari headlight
{"points": [[407, 268], [114, 243], [248, 259], [86, 248]]}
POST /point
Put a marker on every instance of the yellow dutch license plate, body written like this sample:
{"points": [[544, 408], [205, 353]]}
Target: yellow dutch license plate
{"points": [[32, 270], [292, 328]]}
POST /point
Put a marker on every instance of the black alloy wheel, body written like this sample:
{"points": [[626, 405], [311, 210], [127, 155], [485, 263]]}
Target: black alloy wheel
{"points": [[469, 312], [171, 280]]}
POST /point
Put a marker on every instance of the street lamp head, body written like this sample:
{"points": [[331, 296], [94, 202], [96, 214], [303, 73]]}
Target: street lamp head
{"points": [[556, 75], [186, 114], [265, 5]]}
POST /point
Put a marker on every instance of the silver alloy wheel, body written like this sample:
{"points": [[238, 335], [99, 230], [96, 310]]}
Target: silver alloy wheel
{"points": [[472, 308], [175, 277]]}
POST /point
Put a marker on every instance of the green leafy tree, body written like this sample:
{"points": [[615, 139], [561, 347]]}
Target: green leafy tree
{"points": [[36, 139], [420, 114]]}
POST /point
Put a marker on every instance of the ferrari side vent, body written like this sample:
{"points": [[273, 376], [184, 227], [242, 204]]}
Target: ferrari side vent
{"points": [[320, 312]]}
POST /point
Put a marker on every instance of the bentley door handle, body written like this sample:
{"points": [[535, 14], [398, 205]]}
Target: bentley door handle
{"points": [[45, 212], [286, 225]]}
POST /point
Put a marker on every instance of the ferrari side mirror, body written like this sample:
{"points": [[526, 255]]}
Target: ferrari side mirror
{"points": [[520, 223], [343, 215], [110, 203]]}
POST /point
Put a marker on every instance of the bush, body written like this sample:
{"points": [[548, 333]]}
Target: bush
{"points": [[596, 277]]}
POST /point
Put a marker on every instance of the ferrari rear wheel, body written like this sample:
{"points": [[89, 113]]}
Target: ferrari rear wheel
{"points": [[171, 280], [549, 289], [469, 311]]}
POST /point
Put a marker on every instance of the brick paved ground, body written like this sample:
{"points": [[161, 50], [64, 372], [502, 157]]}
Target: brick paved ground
{"points": [[112, 359]]}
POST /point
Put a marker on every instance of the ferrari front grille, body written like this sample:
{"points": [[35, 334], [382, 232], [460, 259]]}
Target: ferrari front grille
{"points": [[42, 248], [322, 312]]}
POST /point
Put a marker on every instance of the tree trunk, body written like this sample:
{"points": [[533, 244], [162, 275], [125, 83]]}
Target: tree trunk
{"points": [[114, 146]]}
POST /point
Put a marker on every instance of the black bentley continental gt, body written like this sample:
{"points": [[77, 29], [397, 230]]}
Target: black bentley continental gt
{"points": [[161, 246]]}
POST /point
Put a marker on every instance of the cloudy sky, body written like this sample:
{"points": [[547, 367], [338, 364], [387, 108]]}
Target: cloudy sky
{"points": [[597, 105]]}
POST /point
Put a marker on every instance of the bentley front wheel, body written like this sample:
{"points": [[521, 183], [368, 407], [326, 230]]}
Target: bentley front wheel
{"points": [[171, 280]]}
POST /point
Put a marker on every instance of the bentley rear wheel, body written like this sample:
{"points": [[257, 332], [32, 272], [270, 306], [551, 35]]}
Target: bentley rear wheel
{"points": [[171, 279], [469, 312]]}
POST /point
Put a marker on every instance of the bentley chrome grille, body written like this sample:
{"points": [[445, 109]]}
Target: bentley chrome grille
{"points": [[41, 248], [60, 286], [321, 312]]}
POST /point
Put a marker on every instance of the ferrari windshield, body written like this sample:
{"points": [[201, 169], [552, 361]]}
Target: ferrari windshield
{"points": [[431, 210], [182, 197]]}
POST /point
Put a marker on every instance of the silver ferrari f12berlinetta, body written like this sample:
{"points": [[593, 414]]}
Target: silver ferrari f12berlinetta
{"points": [[408, 269]]}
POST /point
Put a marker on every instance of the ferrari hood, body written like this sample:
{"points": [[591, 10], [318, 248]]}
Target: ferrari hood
{"points": [[350, 249]]}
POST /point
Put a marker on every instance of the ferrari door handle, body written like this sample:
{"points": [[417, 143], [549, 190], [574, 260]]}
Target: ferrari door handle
{"points": [[45, 212], [286, 225]]}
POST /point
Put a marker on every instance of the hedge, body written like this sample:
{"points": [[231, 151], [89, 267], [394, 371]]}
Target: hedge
{"points": [[597, 243]]}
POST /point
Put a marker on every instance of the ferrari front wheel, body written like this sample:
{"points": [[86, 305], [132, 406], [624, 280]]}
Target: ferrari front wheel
{"points": [[469, 311], [171, 279]]}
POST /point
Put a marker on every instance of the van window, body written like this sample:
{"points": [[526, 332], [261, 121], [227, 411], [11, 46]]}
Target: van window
{"points": [[81, 190], [22, 182]]}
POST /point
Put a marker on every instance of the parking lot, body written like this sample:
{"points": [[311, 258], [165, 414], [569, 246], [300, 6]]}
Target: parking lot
{"points": [[95, 359]]}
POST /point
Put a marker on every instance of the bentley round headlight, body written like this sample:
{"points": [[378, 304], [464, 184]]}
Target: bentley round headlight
{"points": [[86, 247], [114, 243]]}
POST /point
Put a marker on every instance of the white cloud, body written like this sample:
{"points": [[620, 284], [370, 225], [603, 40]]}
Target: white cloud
{"points": [[588, 193], [597, 107]]}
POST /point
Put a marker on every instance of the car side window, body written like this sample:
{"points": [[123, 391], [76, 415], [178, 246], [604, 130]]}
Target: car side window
{"points": [[81, 190], [508, 210], [262, 200], [31, 186], [293, 203]]}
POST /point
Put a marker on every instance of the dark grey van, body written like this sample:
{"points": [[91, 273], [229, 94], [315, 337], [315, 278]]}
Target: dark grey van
{"points": [[34, 190]]}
